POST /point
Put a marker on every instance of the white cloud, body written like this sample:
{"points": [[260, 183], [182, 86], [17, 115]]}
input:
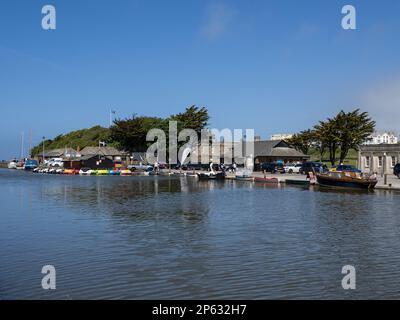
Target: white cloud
{"points": [[217, 20]]}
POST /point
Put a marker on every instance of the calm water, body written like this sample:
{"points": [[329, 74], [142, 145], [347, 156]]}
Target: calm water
{"points": [[177, 238]]}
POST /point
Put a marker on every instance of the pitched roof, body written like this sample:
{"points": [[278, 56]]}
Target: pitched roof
{"points": [[84, 158], [57, 153], [105, 151], [275, 148]]}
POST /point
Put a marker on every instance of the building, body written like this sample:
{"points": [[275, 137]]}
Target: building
{"points": [[110, 152], [276, 151], [281, 136], [65, 153], [382, 138], [380, 158], [89, 161]]}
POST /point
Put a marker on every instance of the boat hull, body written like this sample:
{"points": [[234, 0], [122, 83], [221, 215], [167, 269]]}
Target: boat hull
{"points": [[216, 176], [266, 180], [359, 184]]}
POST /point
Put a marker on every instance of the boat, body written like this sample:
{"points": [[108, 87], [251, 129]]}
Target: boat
{"points": [[341, 179], [125, 173], [266, 180], [298, 182], [114, 172], [211, 176], [67, 171], [20, 165], [102, 172], [12, 165], [31, 165], [244, 178], [85, 172]]}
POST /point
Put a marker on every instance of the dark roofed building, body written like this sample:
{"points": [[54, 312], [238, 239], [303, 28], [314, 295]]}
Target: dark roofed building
{"points": [[58, 153], [89, 161], [105, 151], [274, 151]]}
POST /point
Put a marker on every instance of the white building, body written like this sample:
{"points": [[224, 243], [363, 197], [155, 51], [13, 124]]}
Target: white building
{"points": [[382, 138], [281, 136]]}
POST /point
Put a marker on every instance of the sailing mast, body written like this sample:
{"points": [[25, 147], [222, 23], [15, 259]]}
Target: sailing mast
{"points": [[22, 145]]}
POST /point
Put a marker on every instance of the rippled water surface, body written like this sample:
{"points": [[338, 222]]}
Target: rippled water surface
{"points": [[178, 238]]}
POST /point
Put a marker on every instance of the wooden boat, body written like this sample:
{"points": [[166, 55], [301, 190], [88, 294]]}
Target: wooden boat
{"points": [[340, 179], [266, 180]]}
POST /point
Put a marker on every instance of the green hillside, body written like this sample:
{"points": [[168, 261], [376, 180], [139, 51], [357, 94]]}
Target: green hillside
{"points": [[75, 139]]}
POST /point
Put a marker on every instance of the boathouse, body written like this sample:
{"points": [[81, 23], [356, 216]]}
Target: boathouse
{"points": [[89, 161]]}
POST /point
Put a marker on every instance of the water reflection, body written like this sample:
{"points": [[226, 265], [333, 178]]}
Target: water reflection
{"points": [[177, 237]]}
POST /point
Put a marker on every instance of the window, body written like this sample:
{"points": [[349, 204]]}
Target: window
{"points": [[393, 161], [380, 161], [367, 162]]}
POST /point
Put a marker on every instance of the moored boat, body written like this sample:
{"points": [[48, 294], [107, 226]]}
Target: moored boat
{"points": [[102, 172], [12, 165], [85, 172], [340, 179], [212, 176], [66, 171], [125, 172], [266, 180], [244, 178], [298, 182], [31, 165]]}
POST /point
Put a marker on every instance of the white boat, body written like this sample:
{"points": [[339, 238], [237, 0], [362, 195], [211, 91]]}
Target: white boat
{"points": [[86, 172], [12, 165]]}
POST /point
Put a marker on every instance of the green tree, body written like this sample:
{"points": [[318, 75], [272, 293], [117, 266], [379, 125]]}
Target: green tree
{"points": [[130, 133], [302, 141], [355, 128], [192, 118]]}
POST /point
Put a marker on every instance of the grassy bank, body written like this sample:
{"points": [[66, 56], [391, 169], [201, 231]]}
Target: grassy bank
{"points": [[351, 158]]}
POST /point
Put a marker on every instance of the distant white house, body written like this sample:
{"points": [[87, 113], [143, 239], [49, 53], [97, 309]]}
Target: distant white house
{"points": [[382, 138], [281, 136]]}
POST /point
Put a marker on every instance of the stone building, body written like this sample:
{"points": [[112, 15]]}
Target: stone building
{"points": [[380, 158]]}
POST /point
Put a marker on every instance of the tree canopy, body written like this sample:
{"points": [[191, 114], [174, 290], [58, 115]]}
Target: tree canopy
{"points": [[130, 133], [346, 131]]}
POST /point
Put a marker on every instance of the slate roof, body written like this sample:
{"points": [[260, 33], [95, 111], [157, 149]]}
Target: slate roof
{"points": [[105, 151]]}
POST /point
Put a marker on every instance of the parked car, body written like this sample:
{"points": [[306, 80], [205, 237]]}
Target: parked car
{"points": [[272, 167], [293, 167], [314, 167], [55, 162], [396, 170], [140, 167], [345, 168]]}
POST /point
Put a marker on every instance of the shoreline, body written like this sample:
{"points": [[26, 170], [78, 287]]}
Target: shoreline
{"points": [[392, 180]]}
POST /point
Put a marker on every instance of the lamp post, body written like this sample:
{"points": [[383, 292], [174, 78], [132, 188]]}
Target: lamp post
{"points": [[43, 138]]}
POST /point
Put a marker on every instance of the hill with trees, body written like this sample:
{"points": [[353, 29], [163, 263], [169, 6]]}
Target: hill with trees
{"points": [[76, 139]]}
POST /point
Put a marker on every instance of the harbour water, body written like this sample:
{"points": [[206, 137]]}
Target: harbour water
{"points": [[179, 238]]}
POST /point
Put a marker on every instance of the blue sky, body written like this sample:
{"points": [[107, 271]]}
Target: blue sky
{"points": [[275, 66]]}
